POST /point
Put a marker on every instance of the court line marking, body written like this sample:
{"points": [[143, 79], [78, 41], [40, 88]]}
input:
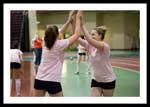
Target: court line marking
{"points": [[128, 58], [120, 60], [125, 64], [127, 69]]}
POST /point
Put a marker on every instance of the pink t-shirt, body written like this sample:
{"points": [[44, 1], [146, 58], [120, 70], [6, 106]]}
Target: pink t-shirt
{"points": [[100, 61], [52, 61], [16, 55]]}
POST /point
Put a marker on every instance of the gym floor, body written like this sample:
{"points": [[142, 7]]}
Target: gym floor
{"points": [[125, 65]]}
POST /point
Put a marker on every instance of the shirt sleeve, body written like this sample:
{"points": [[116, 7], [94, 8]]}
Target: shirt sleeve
{"points": [[63, 44], [105, 48]]}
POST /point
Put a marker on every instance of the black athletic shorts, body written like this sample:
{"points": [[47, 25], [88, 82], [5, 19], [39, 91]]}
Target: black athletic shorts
{"points": [[50, 86], [82, 53], [104, 85], [15, 65]]}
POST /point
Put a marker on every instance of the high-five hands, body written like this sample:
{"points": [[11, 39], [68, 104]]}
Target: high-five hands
{"points": [[79, 14], [72, 15]]}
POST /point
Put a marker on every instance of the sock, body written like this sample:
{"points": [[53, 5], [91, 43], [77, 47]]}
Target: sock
{"points": [[10, 85], [18, 87]]}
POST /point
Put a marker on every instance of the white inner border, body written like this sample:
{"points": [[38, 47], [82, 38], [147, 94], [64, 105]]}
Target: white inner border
{"points": [[143, 53]]}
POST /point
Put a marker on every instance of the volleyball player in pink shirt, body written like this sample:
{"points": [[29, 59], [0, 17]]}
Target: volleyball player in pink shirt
{"points": [[103, 77], [48, 77]]}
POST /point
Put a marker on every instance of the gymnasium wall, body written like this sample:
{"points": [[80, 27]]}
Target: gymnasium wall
{"points": [[122, 26]]}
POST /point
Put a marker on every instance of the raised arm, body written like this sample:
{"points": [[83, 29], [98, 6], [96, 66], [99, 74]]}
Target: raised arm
{"points": [[93, 42], [81, 42], [73, 23], [76, 34], [65, 26]]}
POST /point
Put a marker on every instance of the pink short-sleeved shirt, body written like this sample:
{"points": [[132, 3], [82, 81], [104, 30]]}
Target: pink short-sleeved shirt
{"points": [[52, 61], [100, 61]]}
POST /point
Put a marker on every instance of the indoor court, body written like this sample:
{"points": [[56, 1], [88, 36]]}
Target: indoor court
{"points": [[121, 29], [75, 53], [125, 65]]}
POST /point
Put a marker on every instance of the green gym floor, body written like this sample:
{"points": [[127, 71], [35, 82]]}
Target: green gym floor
{"points": [[78, 85], [126, 66]]}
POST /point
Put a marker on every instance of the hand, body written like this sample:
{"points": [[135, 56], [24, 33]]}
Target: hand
{"points": [[80, 14], [72, 15]]}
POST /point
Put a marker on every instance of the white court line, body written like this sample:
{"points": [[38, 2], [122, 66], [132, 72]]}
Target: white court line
{"points": [[135, 59], [127, 69], [123, 60], [125, 64]]}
